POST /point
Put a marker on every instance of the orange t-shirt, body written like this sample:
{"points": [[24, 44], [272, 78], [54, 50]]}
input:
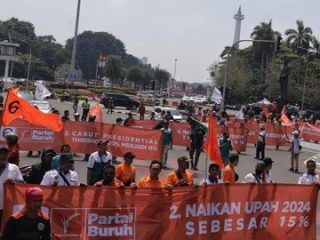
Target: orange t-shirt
{"points": [[173, 180], [229, 174], [126, 174], [115, 183], [148, 183]]}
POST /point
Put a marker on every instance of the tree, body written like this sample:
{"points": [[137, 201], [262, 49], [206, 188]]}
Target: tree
{"points": [[299, 39], [162, 77], [135, 75], [113, 68], [263, 50]]}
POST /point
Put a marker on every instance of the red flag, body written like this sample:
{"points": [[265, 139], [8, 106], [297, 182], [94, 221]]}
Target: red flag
{"points": [[96, 111], [16, 107], [211, 145], [265, 110], [284, 117]]}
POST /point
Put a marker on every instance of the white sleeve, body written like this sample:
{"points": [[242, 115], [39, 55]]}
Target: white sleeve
{"points": [[91, 161], [248, 179], [18, 176], [202, 182], [77, 183], [46, 179], [301, 180]]}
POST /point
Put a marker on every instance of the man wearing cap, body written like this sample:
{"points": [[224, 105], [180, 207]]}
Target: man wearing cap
{"points": [[63, 176], [153, 180], [261, 144], [109, 178], [97, 161], [8, 173], [257, 176], [267, 171], [129, 121], [310, 177], [125, 172], [30, 223], [180, 177], [39, 170], [295, 151], [214, 169]]}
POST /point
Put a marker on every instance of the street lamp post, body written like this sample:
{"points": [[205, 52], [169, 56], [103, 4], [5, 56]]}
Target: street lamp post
{"points": [[226, 67], [75, 39]]}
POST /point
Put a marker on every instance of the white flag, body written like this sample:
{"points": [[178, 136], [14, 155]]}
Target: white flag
{"points": [[240, 115], [216, 96], [41, 91]]}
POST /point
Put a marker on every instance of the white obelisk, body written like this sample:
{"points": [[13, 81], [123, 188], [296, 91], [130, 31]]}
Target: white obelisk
{"points": [[238, 17]]}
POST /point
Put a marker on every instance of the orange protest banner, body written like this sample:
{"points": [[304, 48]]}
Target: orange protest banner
{"points": [[240, 211], [16, 107]]}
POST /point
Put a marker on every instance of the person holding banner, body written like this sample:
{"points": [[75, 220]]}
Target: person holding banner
{"points": [[109, 178], [63, 176], [125, 172], [180, 177], [229, 173], [97, 161], [257, 176], [261, 144], [310, 177], [214, 169], [9, 173], [30, 223], [153, 180]]}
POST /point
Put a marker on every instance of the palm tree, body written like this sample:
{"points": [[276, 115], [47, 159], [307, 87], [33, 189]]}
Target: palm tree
{"points": [[263, 51], [301, 38]]}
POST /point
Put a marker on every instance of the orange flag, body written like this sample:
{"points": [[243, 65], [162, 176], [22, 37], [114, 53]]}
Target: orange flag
{"points": [[284, 117], [265, 110], [96, 111], [211, 145], [16, 107]]}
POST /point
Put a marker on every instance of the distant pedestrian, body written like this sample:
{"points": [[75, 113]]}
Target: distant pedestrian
{"points": [[295, 149], [167, 140], [142, 111], [75, 104], [225, 147], [261, 144], [65, 116], [110, 105], [196, 144], [86, 108]]}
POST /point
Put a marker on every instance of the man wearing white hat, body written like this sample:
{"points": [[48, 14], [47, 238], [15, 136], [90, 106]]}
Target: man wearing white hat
{"points": [[295, 151]]}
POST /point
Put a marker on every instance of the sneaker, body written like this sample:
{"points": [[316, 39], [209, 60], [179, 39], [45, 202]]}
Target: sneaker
{"points": [[291, 169]]}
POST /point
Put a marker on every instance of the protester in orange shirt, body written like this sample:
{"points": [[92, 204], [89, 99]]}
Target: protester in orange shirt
{"points": [[125, 172], [109, 178], [153, 180], [229, 174], [180, 177]]}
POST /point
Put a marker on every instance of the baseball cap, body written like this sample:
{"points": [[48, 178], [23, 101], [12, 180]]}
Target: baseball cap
{"points": [[260, 165], [183, 159], [267, 161], [3, 149], [66, 157], [102, 142], [129, 155]]}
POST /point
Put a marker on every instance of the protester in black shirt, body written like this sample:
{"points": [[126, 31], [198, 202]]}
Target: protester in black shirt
{"points": [[196, 142], [38, 170], [30, 223]]}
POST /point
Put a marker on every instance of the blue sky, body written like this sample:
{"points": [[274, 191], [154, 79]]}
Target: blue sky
{"points": [[193, 31]]}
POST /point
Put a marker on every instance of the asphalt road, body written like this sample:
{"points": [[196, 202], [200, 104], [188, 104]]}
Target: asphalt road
{"points": [[246, 165]]}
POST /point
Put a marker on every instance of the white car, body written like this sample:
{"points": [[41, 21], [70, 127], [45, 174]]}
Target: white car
{"points": [[144, 94], [43, 106], [176, 115], [199, 99]]}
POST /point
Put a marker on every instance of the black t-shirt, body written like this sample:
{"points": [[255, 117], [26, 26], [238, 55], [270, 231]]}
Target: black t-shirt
{"points": [[21, 227]]}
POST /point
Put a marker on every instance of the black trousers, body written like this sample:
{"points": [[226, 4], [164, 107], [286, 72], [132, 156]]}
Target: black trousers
{"points": [[84, 114], [260, 149], [197, 150]]}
